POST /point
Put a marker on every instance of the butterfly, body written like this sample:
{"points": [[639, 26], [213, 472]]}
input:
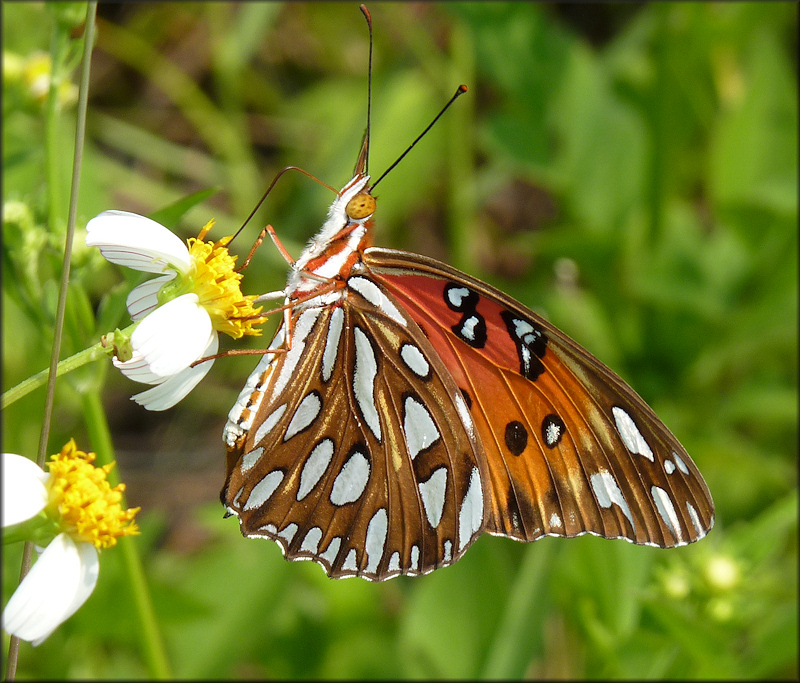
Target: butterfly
{"points": [[405, 408]]}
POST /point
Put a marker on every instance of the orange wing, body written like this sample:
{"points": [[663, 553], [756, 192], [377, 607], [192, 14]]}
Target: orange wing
{"points": [[569, 447]]}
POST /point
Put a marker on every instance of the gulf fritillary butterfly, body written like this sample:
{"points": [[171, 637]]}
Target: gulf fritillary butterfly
{"points": [[411, 407]]}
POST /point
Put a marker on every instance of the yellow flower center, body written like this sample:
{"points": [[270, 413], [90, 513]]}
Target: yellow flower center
{"points": [[88, 509], [217, 286]]}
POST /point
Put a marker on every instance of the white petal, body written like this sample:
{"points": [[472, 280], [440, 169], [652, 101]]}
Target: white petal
{"points": [[172, 390], [24, 492], [90, 570], [173, 336], [143, 299], [59, 582], [137, 242], [137, 369]]}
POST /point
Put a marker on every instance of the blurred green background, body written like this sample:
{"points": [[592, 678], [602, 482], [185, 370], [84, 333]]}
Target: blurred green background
{"points": [[628, 170]]}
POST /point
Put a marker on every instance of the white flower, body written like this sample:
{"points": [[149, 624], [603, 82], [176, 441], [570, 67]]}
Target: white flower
{"points": [[84, 513], [180, 312], [60, 582]]}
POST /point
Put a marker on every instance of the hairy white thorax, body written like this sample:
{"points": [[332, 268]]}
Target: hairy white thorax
{"points": [[314, 260]]}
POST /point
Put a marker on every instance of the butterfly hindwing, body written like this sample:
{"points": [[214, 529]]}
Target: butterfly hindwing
{"points": [[569, 447], [354, 447]]}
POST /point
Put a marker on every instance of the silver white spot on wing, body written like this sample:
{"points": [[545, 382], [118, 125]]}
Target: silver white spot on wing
{"points": [[524, 331], [250, 459], [463, 413], [552, 433], [433, 495], [667, 511], [376, 539], [288, 532], [414, 564], [607, 492], [470, 516], [332, 550], [698, 527], [415, 360], [351, 480], [372, 293], [349, 563], [631, 436], [306, 413], [332, 343], [555, 521], [235, 501], [269, 423], [525, 359], [394, 562], [456, 295], [364, 381], [263, 490], [419, 427], [679, 461], [468, 327], [292, 357], [447, 557], [315, 466], [311, 541], [669, 466]]}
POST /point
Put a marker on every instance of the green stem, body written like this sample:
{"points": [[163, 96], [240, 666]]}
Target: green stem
{"points": [[148, 629], [58, 52], [40, 378], [75, 361]]}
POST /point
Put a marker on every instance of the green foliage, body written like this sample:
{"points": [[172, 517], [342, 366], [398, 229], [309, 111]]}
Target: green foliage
{"points": [[628, 170]]}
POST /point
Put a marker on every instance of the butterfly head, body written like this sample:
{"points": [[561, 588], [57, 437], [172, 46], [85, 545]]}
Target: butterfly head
{"points": [[335, 249], [361, 206]]}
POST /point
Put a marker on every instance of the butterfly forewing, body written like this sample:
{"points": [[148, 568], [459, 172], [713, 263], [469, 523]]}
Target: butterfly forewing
{"points": [[359, 452], [569, 447]]}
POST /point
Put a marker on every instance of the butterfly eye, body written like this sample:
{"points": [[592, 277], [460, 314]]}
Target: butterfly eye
{"points": [[360, 206]]}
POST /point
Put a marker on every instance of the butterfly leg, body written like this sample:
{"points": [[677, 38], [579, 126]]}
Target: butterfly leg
{"points": [[255, 246], [279, 245]]}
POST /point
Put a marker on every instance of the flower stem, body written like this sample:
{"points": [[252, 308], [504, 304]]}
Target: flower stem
{"points": [[58, 51], [148, 628], [40, 378]]}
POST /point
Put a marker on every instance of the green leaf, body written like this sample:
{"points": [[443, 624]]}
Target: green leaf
{"points": [[170, 215]]}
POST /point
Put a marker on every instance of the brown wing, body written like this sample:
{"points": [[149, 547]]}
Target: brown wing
{"points": [[354, 448], [569, 447]]}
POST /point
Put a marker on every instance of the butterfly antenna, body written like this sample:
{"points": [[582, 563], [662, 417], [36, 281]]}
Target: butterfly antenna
{"points": [[362, 164], [459, 91], [269, 189]]}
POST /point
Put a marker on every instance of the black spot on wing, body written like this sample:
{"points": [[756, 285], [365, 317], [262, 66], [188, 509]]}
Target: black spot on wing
{"points": [[516, 437]]}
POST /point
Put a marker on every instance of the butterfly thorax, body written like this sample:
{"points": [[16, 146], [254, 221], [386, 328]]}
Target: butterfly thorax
{"points": [[334, 252]]}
